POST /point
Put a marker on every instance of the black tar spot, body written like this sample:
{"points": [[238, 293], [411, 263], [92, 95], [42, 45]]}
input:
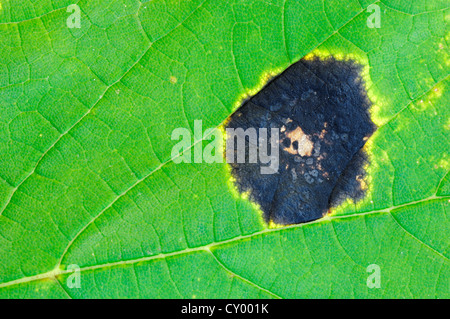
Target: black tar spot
{"points": [[321, 164]]}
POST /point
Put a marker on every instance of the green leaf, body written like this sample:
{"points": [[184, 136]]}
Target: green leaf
{"points": [[87, 179]]}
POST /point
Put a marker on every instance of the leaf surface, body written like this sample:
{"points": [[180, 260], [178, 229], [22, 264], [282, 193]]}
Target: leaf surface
{"points": [[87, 178]]}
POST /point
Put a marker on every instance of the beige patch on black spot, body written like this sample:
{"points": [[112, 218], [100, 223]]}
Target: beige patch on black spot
{"points": [[305, 145]]}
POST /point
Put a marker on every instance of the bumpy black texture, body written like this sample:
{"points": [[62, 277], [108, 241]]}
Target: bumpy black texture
{"points": [[327, 100]]}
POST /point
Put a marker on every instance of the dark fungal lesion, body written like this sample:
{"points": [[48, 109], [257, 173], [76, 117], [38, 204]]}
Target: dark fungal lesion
{"points": [[322, 111]]}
